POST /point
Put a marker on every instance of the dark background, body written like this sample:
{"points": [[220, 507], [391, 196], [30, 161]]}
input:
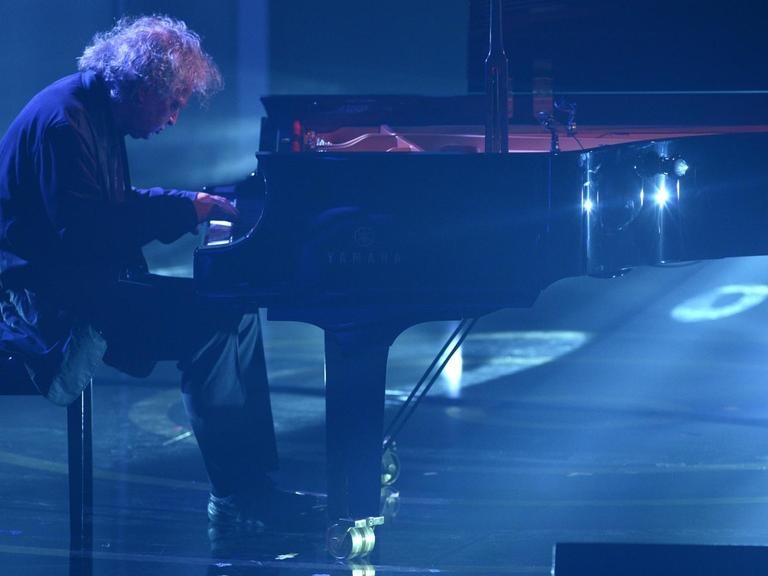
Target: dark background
{"points": [[629, 45], [261, 46], [431, 47]]}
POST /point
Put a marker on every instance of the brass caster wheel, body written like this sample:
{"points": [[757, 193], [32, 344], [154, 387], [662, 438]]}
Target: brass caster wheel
{"points": [[369, 540], [390, 466], [343, 542], [348, 539]]}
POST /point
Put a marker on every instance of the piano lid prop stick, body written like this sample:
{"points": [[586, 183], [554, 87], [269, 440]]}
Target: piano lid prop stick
{"points": [[417, 395], [496, 86]]}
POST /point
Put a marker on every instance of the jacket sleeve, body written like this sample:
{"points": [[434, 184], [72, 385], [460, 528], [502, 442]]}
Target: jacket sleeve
{"points": [[158, 191], [76, 198]]}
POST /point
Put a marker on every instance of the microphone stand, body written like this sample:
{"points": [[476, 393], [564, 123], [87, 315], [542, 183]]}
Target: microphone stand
{"points": [[496, 86], [548, 122]]}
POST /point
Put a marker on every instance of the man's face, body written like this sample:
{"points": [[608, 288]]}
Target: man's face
{"points": [[151, 113]]}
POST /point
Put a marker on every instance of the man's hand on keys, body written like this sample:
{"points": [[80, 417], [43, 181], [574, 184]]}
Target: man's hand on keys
{"points": [[209, 207]]}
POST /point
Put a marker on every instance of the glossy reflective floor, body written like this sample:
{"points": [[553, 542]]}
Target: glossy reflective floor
{"points": [[625, 410]]}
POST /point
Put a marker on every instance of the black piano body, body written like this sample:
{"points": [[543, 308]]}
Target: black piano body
{"points": [[370, 215]]}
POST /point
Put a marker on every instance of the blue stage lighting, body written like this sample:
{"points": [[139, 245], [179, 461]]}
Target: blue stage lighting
{"points": [[680, 167], [662, 196]]}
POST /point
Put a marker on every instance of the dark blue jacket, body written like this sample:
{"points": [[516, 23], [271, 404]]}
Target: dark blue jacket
{"points": [[70, 221]]}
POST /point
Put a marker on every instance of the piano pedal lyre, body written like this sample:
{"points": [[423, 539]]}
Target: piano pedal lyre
{"points": [[348, 538], [390, 465], [390, 472], [390, 501]]}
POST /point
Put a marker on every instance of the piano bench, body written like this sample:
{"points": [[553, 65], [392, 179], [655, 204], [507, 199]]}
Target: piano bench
{"points": [[14, 381]]}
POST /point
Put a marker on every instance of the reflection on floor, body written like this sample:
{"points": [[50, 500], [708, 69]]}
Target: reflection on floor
{"points": [[628, 410]]}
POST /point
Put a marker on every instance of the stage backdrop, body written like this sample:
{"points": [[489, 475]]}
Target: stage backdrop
{"points": [[282, 46]]}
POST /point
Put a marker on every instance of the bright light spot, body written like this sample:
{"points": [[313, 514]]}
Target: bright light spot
{"points": [[452, 374], [681, 167], [720, 303], [588, 205], [178, 271], [662, 196], [486, 356]]}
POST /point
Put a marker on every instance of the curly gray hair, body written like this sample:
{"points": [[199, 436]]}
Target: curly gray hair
{"points": [[157, 53]]}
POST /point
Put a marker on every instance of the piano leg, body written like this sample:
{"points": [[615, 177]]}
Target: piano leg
{"points": [[355, 374]]}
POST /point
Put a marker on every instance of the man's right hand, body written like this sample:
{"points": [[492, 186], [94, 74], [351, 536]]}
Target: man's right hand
{"points": [[209, 207]]}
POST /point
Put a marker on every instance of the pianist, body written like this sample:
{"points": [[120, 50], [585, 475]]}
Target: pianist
{"points": [[71, 225]]}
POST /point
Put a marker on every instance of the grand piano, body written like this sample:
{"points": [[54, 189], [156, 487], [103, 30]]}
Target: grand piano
{"points": [[369, 214]]}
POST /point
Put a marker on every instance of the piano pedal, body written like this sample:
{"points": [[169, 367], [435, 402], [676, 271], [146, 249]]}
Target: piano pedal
{"points": [[390, 502], [348, 538], [390, 465]]}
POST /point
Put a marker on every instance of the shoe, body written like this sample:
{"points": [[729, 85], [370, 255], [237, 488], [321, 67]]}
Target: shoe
{"points": [[272, 508], [232, 510]]}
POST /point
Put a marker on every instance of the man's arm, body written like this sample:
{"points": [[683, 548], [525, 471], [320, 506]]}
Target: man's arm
{"points": [[207, 206], [90, 224]]}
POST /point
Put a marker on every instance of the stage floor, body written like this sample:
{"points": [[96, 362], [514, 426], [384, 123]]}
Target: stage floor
{"points": [[626, 410]]}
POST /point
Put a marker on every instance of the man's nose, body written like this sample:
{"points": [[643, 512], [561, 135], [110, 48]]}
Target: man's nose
{"points": [[173, 118]]}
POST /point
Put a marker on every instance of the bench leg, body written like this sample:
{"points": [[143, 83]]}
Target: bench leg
{"points": [[80, 458]]}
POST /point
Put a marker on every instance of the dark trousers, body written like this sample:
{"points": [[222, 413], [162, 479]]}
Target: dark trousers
{"points": [[220, 353]]}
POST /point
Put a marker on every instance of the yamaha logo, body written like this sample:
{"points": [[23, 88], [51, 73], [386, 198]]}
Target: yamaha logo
{"points": [[364, 237], [363, 252]]}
